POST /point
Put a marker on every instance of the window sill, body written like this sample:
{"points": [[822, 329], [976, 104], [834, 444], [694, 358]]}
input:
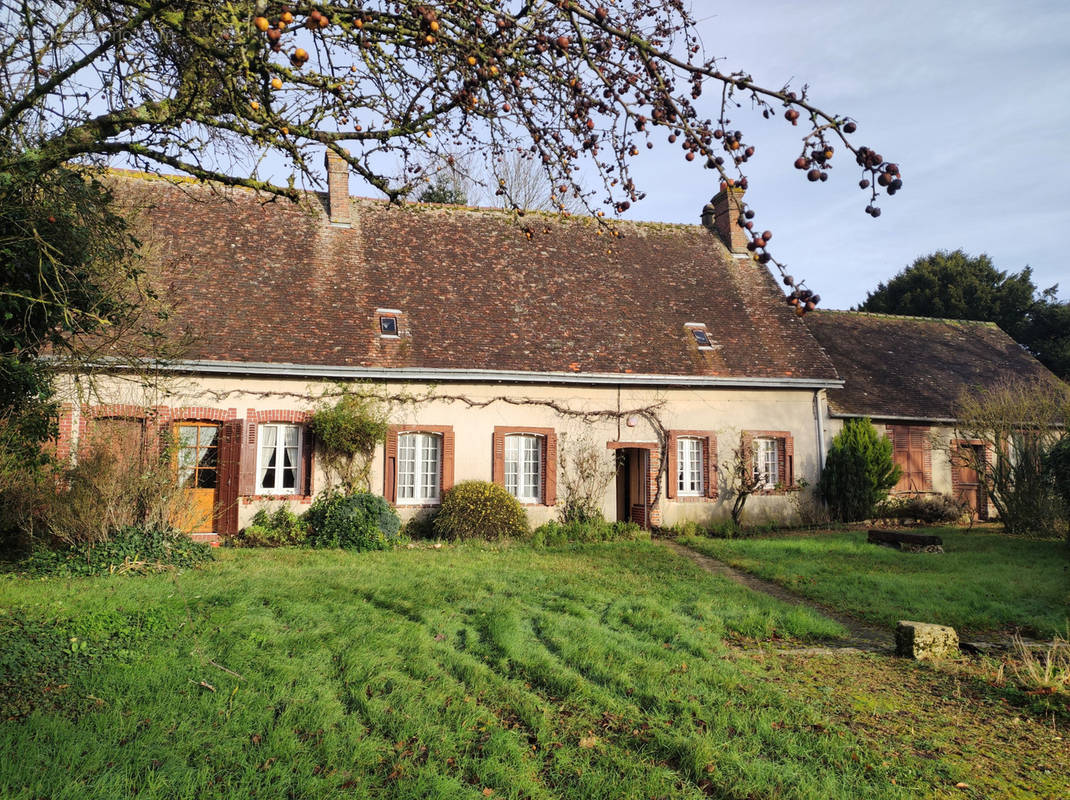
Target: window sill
{"points": [[253, 498], [776, 492], [694, 498]]}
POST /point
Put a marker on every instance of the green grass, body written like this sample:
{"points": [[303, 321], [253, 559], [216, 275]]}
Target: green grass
{"points": [[600, 671], [982, 582]]}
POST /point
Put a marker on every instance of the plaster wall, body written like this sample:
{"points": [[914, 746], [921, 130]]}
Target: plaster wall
{"points": [[583, 416]]}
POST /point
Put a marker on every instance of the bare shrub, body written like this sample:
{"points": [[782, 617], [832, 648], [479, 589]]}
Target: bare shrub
{"points": [[1017, 424], [122, 480], [586, 474]]}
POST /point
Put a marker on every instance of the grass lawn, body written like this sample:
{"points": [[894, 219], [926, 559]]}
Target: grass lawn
{"points": [[603, 671], [982, 582]]}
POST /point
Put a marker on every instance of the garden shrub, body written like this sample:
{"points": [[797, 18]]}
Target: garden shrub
{"points": [[128, 550], [859, 471], [359, 521], [926, 509], [715, 529], [279, 529], [1057, 466], [480, 510], [552, 534], [421, 526]]}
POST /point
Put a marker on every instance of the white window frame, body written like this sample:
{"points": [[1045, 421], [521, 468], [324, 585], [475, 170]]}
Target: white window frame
{"points": [[690, 467], [280, 448], [518, 473], [766, 461], [426, 478]]}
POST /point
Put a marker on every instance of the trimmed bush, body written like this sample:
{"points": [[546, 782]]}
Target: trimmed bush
{"points": [[859, 471], [480, 510], [360, 521], [128, 550], [282, 528], [552, 534]]}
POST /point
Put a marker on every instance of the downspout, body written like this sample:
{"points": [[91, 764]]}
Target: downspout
{"points": [[820, 430]]}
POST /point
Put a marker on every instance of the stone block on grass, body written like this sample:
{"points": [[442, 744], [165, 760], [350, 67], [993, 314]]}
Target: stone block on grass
{"points": [[924, 641]]}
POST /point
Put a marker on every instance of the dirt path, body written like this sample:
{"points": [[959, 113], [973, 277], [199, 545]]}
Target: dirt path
{"points": [[861, 635]]}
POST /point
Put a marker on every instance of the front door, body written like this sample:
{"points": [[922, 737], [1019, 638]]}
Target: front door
{"points": [[198, 474], [968, 487]]}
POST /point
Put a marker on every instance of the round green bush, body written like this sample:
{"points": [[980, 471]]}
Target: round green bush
{"points": [[480, 510], [360, 521]]}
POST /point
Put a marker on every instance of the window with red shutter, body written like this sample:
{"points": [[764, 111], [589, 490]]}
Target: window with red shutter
{"points": [[912, 452]]}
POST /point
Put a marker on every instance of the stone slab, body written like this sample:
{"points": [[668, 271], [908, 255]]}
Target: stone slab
{"points": [[924, 641]]}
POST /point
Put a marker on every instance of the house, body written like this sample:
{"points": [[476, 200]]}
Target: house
{"points": [[502, 348], [906, 374]]}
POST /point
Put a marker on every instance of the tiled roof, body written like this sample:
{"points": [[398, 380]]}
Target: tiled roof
{"points": [[912, 366], [273, 281]]}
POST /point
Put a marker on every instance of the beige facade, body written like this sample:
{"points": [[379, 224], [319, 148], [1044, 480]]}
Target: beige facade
{"points": [[628, 427]]}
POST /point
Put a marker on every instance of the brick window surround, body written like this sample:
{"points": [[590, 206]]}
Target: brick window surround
{"points": [[390, 461], [548, 438], [785, 457], [247, 488], [708, 440]]}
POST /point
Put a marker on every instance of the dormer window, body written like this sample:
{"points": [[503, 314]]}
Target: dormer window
{"points": [[702, 336], [389, 323]]}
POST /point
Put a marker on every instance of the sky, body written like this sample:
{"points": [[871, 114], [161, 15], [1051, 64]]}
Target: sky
{"points": [[970, 99]]}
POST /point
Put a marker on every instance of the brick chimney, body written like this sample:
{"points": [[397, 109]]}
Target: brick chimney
{"points": [[338, 205], [720, 215]]}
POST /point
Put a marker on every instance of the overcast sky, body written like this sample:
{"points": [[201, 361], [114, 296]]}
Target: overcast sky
{"points": [[971, 99]]}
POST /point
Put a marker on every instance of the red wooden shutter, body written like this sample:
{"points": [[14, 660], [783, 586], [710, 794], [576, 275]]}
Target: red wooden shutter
{"points": [[497, 465], [247, 479], [786, 447], [710, 459], [230, 449], [447, 459], [672, 482], [549, 469], [746, 451], [390, 465], [308, 463]]}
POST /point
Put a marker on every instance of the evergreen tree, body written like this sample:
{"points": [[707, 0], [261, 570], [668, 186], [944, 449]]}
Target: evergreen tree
{"points": [[859, 471]]}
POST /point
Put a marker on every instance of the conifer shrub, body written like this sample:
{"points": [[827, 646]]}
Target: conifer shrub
{"points": [[358, 521], [480, 510], [859, 471]]}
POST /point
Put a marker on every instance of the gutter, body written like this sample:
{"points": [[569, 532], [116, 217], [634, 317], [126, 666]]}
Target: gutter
{"points": [[435, 375], [895, 417]]}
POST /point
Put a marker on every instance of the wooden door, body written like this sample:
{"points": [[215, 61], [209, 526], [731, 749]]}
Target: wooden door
{"points": [[967, 482], [198, 474]]}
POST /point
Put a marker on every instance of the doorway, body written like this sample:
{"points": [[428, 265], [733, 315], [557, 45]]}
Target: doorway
{"points": [[633, 489], [198, 475], [968, 488]]}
